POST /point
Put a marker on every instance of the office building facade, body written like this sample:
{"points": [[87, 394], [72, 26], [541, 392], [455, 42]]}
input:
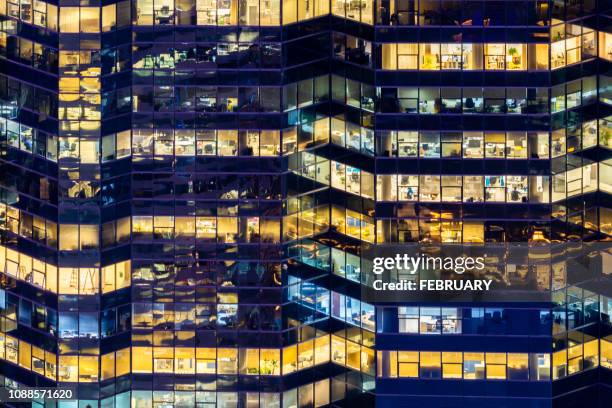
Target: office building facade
{"points": [[188, 189]]}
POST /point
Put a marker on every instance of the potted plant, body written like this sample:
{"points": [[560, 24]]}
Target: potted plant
{"points": [[428, 62], [516, 59]]}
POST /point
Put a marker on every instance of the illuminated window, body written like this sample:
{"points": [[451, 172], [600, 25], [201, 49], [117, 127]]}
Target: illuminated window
{"points": [[249, 361], [68, 368], [430, 364], [406, 143], [206, 360], [451, 57], [289, 359], [451, 188], [516, 56], [122, 362], [408, 187], [429, 56], [338, 350], [69, 19], [107, 368], [269, 13], [25, 355], [473, 189], [516, 145], [142, 360], [605, 45], [429, 188], [387, 364], [495, 145], [518, 366], [88, 368], [367, 360], [305, 355], [109, 17], [50, 365], [407, 56], [606, 352], [516, 189], [452, 365], [227, 361], [495, 188], [495, 56], [496, 366], [38, 360], [12, 349], [408, 363], [473, 366], [184, 360], [269, 361], [89, 19], [321, 352]]}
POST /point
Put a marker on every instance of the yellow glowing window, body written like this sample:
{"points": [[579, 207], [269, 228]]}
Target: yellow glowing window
{"points": [[184, 360], [12, 349], [38, 360], [518, 365], [495, 56], [122, 360], [206, 360], [429, 56], [407, 56], [227, 297], [408, 363], [452, 365], [430, 364], [107, 368], [353, 355], [322, 349], [269, 362], [68, 368], [69, 19], [185, 227], [367, 360], [496, 366], [305, 354], [451, 56], [90, 19], [289, 359], [206, 228], [227, 229], [591, 354], [606, 352], [387, 364], [249, 361], [227, 361], [89, 85], [69, 84], [88, 368], [516, 56], [142, 360], [25, 354], [338, 350], [50, 365], [574, 358], [109, 18], [389, 56], [163, 359]]}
